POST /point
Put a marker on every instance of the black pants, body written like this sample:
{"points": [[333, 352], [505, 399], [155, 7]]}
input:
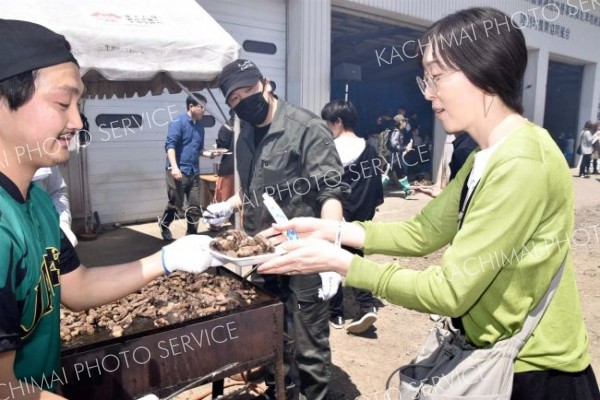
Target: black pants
{"points": [[307, 325], [365, 300], [177, 191], [584, 167], [397, 164], [555, 385]]}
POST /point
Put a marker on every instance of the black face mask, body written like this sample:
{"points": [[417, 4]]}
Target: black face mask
{"points": [[253, 109]]}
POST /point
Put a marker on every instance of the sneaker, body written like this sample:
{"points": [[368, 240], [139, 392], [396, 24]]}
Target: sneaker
{"points": [[165, 233], [366, 318], [435, 317], [336, 321], [408, 193]]}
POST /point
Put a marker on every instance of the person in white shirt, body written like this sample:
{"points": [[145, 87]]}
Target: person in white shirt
{"points": [[50, 179]]}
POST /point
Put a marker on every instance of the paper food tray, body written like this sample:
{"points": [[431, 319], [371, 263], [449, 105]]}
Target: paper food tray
{"points": [[245, 261]]}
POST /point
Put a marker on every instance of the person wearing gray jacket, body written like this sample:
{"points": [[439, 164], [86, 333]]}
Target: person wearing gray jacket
{"points": [[289, 153]]}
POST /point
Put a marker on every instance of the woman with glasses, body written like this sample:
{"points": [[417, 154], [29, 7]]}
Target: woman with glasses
{"points": [[506, 218]]}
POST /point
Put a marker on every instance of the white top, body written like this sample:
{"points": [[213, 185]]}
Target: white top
{"points": [[51, 180], [482, 157], [587, 140], [349, 148]]}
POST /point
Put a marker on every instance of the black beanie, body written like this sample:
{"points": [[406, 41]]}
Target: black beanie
{"points": [[25, 46]]}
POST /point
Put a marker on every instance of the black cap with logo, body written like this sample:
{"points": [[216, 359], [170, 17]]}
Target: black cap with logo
{"points": [[238, 74]]}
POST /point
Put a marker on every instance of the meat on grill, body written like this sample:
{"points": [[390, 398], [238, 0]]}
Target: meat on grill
{"points": [[166, 300]]}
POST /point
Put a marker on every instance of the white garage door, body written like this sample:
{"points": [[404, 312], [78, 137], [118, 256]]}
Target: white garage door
{"points": [[126, 164]]}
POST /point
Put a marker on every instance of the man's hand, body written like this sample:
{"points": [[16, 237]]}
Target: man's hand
{"points": [[330, 282], [217, 213], [176, 173], [190, 254]]}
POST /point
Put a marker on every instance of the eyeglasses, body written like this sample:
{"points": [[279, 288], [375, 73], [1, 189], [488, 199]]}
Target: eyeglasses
{"points": [[200, 106], [430, 82]]}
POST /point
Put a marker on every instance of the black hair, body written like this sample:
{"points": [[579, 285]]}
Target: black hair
{"points": [[18, 89], [342, 110], [191, 102], [491, 53], [589, 126]]}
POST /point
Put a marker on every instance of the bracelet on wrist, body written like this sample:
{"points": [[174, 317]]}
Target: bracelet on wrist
{"points": [[338, 235]]}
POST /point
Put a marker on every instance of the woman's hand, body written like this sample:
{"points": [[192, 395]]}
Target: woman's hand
{"points": [[431, 191], [308, 256], [305, 228]]}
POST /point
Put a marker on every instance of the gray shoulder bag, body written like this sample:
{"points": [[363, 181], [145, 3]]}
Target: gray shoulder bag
{"points": [[448, 367]]}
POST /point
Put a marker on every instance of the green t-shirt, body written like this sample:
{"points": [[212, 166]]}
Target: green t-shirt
{"points": [[33, 253]]}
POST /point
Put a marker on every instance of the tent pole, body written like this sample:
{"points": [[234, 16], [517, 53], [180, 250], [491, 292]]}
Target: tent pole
{"points": [[217, 103], [223, 121]]}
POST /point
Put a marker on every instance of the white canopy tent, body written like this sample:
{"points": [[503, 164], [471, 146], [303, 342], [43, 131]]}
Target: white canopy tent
{"points": [[134, 47], [124, 48]]}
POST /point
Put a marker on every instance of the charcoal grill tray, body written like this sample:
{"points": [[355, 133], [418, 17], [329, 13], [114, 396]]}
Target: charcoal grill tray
{"points": [[143, 326], [103, 367]]}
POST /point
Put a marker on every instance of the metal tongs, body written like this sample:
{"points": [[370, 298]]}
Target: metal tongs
{"points": [[202, 378], [247, 274]]}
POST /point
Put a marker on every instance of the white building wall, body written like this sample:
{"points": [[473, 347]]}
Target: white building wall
{"points": [[125, 167]]}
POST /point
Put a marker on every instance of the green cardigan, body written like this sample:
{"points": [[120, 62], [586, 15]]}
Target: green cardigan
{"points": [[515, 235]]}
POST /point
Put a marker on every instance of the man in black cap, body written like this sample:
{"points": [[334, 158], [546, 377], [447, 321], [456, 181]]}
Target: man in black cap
{"points": [[39, 268], [289, 153]]}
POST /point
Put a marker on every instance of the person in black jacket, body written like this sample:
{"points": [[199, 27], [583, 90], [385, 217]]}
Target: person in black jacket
{"points": [[225, 187], [364, 178], [463, 145]]}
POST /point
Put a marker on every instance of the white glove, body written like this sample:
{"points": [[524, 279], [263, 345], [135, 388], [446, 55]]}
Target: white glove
{"points": [[330, 282], [190, 254], [217, 213], [149, 397]]}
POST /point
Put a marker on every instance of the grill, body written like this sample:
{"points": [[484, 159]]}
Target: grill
{"points": [[163, 360]]}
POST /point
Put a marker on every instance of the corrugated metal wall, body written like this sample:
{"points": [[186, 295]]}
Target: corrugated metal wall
{"points": [[580, 18], [427, 11]]}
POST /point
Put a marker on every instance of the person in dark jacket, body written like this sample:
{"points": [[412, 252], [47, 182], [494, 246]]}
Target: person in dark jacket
{"points": [[225, 186], [361, 173], [288, 153], [463, 145]]}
